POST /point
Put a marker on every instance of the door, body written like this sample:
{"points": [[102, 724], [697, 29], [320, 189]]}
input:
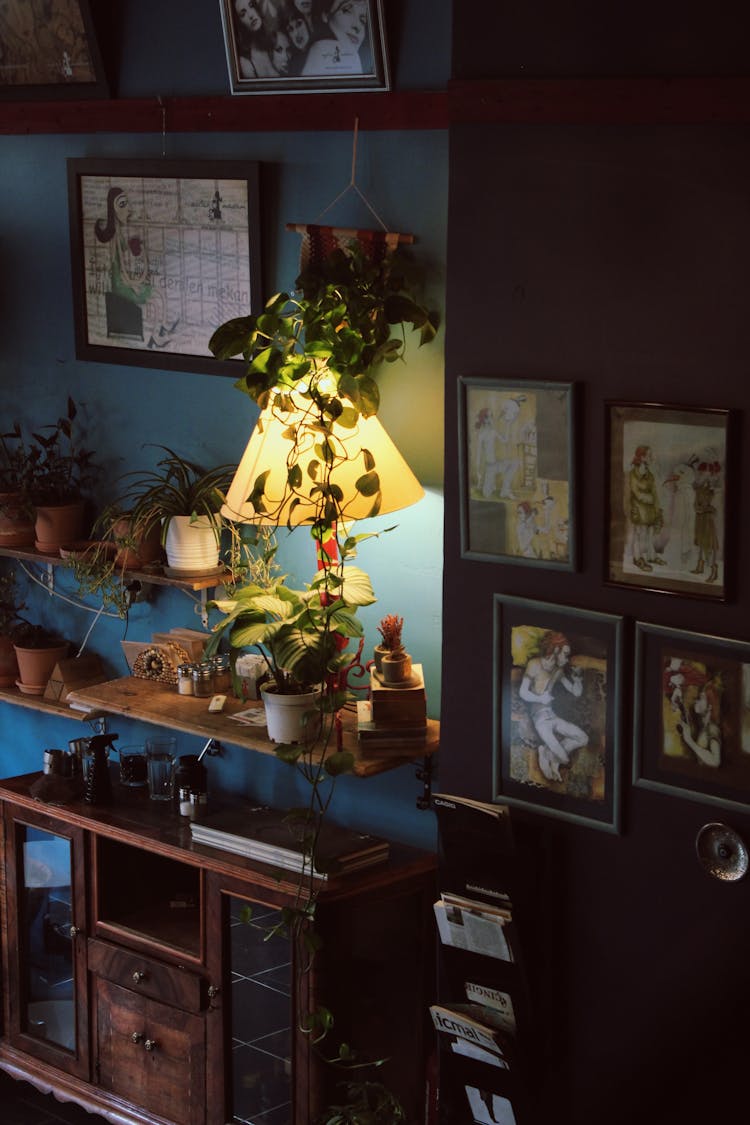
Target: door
{"points": [[46, 954]]}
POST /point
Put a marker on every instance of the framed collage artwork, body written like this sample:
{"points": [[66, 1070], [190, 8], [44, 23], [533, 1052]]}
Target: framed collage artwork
{"points": [[692, 706], [162, 253], [667, 483], [517, 484], [557, 689]]}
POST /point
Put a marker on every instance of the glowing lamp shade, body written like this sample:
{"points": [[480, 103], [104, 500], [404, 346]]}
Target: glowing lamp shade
{"points": [[271, 450]]}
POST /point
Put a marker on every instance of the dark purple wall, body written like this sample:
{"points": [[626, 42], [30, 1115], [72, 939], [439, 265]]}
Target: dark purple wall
{"points": [[616, 258]]}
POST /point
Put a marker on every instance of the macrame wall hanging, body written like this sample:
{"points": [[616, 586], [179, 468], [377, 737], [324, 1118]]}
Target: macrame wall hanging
{"points": [[319, 241]]}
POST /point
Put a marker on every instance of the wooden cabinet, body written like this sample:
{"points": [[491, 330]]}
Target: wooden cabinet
{"points": [[139, 979]]}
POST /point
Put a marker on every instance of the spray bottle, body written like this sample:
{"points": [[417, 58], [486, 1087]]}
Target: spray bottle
{"points": [[98, 789]]}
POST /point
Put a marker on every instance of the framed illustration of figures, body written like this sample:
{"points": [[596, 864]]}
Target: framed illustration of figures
{"points": [[667, 489], [557, 687], [49, 51], [692, 732], [517, 481], [305, 46], [162, 252]]}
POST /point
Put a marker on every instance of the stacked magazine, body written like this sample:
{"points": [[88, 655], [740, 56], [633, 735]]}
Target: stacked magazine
{"points": [[283, 839], [482, 1027]]}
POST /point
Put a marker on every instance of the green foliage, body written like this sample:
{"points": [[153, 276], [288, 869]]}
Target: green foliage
{"points": [[339, 323], [52, 468], [366, 1103], [175, 487], [11, 604]]}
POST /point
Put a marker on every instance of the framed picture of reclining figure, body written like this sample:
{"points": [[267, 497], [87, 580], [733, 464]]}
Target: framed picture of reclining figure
{"points": [[162, 253], [669, 473], [557, 714]]}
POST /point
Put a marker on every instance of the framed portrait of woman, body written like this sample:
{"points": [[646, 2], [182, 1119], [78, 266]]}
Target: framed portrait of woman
{"points": [[162, 253], [304, 46]]}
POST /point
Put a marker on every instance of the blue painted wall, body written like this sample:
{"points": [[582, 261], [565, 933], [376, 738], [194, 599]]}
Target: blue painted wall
{"points": [[122, 409]]}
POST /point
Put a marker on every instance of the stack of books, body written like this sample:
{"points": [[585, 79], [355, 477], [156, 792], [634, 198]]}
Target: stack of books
{"points": [[283, 840], [394, 718]]}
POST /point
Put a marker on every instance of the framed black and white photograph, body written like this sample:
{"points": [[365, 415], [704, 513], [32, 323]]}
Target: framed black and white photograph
{"points": [[516, 472], [692, 708], [49, 51], [557, 688], [304, 46], [163, 252], [668, 478]]}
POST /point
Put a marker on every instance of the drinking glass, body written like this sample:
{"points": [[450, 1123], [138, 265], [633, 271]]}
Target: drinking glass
{"points": [[133, 771], [160, 762]]}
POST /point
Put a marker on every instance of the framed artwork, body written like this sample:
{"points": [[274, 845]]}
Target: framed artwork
{"points": [[163, 252], [516, 442], [305, 46], [668, 479], [692, 735], [557, 684], [49, 51]]}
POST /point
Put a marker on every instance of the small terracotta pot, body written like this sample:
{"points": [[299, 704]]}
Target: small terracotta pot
{"points": [[57, 525], [35, 665], [134, 551]]}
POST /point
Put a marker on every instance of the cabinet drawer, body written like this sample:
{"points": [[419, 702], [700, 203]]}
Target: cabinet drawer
{"points": [[146, 976]]}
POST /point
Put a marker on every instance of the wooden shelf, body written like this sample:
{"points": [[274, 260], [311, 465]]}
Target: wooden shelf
{"points": [[38, 703], [566, 100], [151, 702], [154, 575]]}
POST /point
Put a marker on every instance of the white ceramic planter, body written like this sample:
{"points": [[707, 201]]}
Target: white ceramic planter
{"points": [[191, 546], [291, 718]]}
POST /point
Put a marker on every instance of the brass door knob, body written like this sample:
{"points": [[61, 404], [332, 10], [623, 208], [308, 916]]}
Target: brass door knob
{"points": [[213, 990]]}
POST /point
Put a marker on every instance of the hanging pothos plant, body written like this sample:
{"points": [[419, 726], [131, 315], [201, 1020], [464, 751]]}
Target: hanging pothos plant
{"points": [[309, 360]]}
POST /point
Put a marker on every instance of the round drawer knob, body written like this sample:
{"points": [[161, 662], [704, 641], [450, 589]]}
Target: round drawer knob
{"points": [[213, 990], [74, 931], [138, 976], [136, 1037], [150, 1044]]}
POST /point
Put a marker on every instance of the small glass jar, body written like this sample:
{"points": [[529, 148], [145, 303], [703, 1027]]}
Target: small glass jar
{"points": [[185, 679], [222, 673], [203, 680]]}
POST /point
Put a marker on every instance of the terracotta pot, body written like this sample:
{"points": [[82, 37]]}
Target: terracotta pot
{"points": [[35, 665], [192, 547], [378, 653], [8, 663], [16, 525], [57, 525], [291, 718], [138, 550]]}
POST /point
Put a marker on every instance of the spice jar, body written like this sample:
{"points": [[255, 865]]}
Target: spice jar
{"points": [[185, 679], [222, 673], [203, 679]]}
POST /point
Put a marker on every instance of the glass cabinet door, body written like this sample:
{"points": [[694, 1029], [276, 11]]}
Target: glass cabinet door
{"points": [[260, 1016], [46, 986]]}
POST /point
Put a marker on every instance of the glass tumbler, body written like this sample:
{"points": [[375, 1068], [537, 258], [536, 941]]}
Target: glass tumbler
{"points": [[133, 766], [160, 762]]}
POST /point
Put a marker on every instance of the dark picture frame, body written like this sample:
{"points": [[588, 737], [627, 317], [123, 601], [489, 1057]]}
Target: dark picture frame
{"points": [[668, 475], [516, 472], [319, 46], [692, 705], [162, 253], [558, 754], [51, 56]]}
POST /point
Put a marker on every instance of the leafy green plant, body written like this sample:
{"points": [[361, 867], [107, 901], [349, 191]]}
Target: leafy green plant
{"points": [[175, 487], [390, 628], [11, 604], [14, 461], [58, 469], [366, 1103], [97, 574]]}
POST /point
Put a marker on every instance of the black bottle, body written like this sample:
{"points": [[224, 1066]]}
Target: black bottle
{"points": [[98, 789]]}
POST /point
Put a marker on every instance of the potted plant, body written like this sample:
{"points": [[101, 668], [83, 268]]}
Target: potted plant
{"points": [[37, 651], [390, 628], [16, 513], [184, 500], [59, 471]]}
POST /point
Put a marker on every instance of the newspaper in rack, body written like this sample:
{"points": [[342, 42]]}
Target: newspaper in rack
{"points": [[476, 926], [450, 1021]]}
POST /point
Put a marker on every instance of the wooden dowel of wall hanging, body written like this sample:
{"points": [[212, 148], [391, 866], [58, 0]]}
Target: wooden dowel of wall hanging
{"points": [[349, 232]]}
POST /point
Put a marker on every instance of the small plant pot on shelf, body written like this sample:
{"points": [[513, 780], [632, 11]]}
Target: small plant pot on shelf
{"points": [[16, 525], [396, 667], [291, 718], [134, 550], [192, 546], [36, 664], [58, 525]]}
